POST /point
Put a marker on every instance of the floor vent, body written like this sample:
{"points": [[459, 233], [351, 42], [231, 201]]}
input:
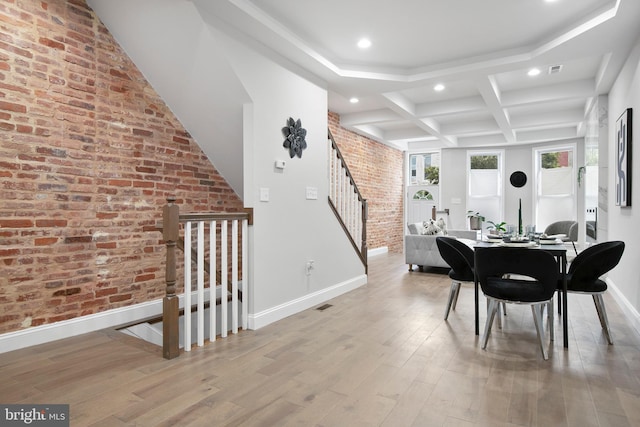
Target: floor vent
{"points": [[324, 307]]}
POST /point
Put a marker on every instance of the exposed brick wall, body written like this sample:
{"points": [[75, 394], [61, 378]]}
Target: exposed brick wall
{"points": [[88, 154], [378, 172]]}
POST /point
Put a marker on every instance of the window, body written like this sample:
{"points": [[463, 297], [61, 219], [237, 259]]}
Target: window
{"points": [[422, 195], [485, 183], [424, 169], [555, 185]]}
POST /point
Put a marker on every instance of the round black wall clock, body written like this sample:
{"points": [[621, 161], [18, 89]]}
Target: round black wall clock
{"points": [[518, 179]]}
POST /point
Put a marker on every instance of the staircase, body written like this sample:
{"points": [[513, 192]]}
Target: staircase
{"points": [[215, 245], [346, 201]]}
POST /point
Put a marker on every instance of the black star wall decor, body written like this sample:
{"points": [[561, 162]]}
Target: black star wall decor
{"points": [[294, 137]]}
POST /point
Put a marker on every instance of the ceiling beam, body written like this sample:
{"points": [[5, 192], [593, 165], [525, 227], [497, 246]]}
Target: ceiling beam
{"points": [[407, 109], [490, 92]]}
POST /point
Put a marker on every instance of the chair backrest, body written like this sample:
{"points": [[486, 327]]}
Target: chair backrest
{"points": [[458, 255], [570, 228], [534, 263], [595, 261]]}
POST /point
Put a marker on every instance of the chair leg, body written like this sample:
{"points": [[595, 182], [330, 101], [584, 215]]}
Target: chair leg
{"points": [[491, 314], [602, 314], [455, 288], [536, 309], [455, 298], [552, 334], [498, 312]]}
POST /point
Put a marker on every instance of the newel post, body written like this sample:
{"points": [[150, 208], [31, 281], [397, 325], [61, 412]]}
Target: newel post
{"points": [[170, 306]]}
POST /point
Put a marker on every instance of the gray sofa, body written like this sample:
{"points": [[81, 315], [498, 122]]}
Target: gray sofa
{"points": [[422, 250]]}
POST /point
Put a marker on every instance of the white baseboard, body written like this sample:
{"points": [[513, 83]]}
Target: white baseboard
{"points": [[377, 251], [85, 324], [628, 309], [271, 315], [79, 325]]}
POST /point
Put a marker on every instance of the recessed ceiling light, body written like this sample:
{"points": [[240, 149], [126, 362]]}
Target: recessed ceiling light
{"points": [[533, 72], [439, 87], [364, 43], [354, 100]]}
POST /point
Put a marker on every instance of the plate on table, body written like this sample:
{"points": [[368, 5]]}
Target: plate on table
{"points": [[494, 239], [519, 244], [550, 241], [555, 236]]}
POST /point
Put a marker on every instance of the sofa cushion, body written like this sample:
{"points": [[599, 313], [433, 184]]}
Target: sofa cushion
{"points": [[422, 250], [415, 228]]}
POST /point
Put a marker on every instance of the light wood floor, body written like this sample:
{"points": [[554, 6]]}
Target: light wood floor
{"points": [[381, 355]]}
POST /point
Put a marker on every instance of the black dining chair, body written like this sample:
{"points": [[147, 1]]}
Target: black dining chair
{"points": [[459, 256], [585, 271], [517, 276]]}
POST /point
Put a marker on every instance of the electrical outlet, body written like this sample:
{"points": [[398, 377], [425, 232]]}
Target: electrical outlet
{"points": [[308, 267]]}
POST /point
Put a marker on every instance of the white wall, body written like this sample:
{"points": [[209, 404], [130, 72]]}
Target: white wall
{"points": [[171, 46], [624, 223], [518, 158], [235, 101], [289, 230]]}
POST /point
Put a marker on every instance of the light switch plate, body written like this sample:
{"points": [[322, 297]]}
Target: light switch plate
{"points": [[312, 193], [264, 194]]}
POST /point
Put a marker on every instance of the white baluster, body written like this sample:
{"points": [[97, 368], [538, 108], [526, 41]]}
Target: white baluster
{"points": [[224, 268], [200, 302], [187, 286], [212, 281], [234, 276], [245, 274]]}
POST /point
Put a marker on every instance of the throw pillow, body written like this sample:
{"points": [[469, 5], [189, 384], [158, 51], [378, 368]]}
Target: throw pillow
{"points": [[442, 225], [431, 229]]}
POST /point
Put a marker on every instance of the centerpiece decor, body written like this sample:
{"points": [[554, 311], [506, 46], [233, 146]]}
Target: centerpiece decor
{"points": [[519, 179], [520, 217]]}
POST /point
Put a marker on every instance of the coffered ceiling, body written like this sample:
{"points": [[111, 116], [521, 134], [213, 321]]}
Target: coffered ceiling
{"points": [[481, 51]]}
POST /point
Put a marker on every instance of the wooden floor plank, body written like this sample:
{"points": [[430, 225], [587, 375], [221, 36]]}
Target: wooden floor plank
{"points": [[380, 355]]}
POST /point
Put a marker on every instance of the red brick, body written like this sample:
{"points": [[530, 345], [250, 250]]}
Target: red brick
{"points": [[145, 277], [51, 43], [51, 223], [11, 106], [45, 241], [15, 223], [119, 298]]}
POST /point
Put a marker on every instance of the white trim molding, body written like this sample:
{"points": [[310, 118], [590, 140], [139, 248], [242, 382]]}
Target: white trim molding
{"points": [[377, 251], [627, 308], [271, 315], [79, 325], [118, 317]]}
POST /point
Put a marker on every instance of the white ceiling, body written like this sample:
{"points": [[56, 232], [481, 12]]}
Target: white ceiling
{"points": [[480, 50]]}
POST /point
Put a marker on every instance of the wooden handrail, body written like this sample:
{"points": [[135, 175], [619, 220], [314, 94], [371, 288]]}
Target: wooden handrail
{"points": [[345, 167]]}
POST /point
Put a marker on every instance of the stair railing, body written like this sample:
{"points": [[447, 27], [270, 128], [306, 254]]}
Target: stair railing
{"points": [[204, 252], [346, 201]]}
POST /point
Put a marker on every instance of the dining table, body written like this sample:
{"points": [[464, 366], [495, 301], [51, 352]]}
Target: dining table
{"points": [[558, 250]]}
